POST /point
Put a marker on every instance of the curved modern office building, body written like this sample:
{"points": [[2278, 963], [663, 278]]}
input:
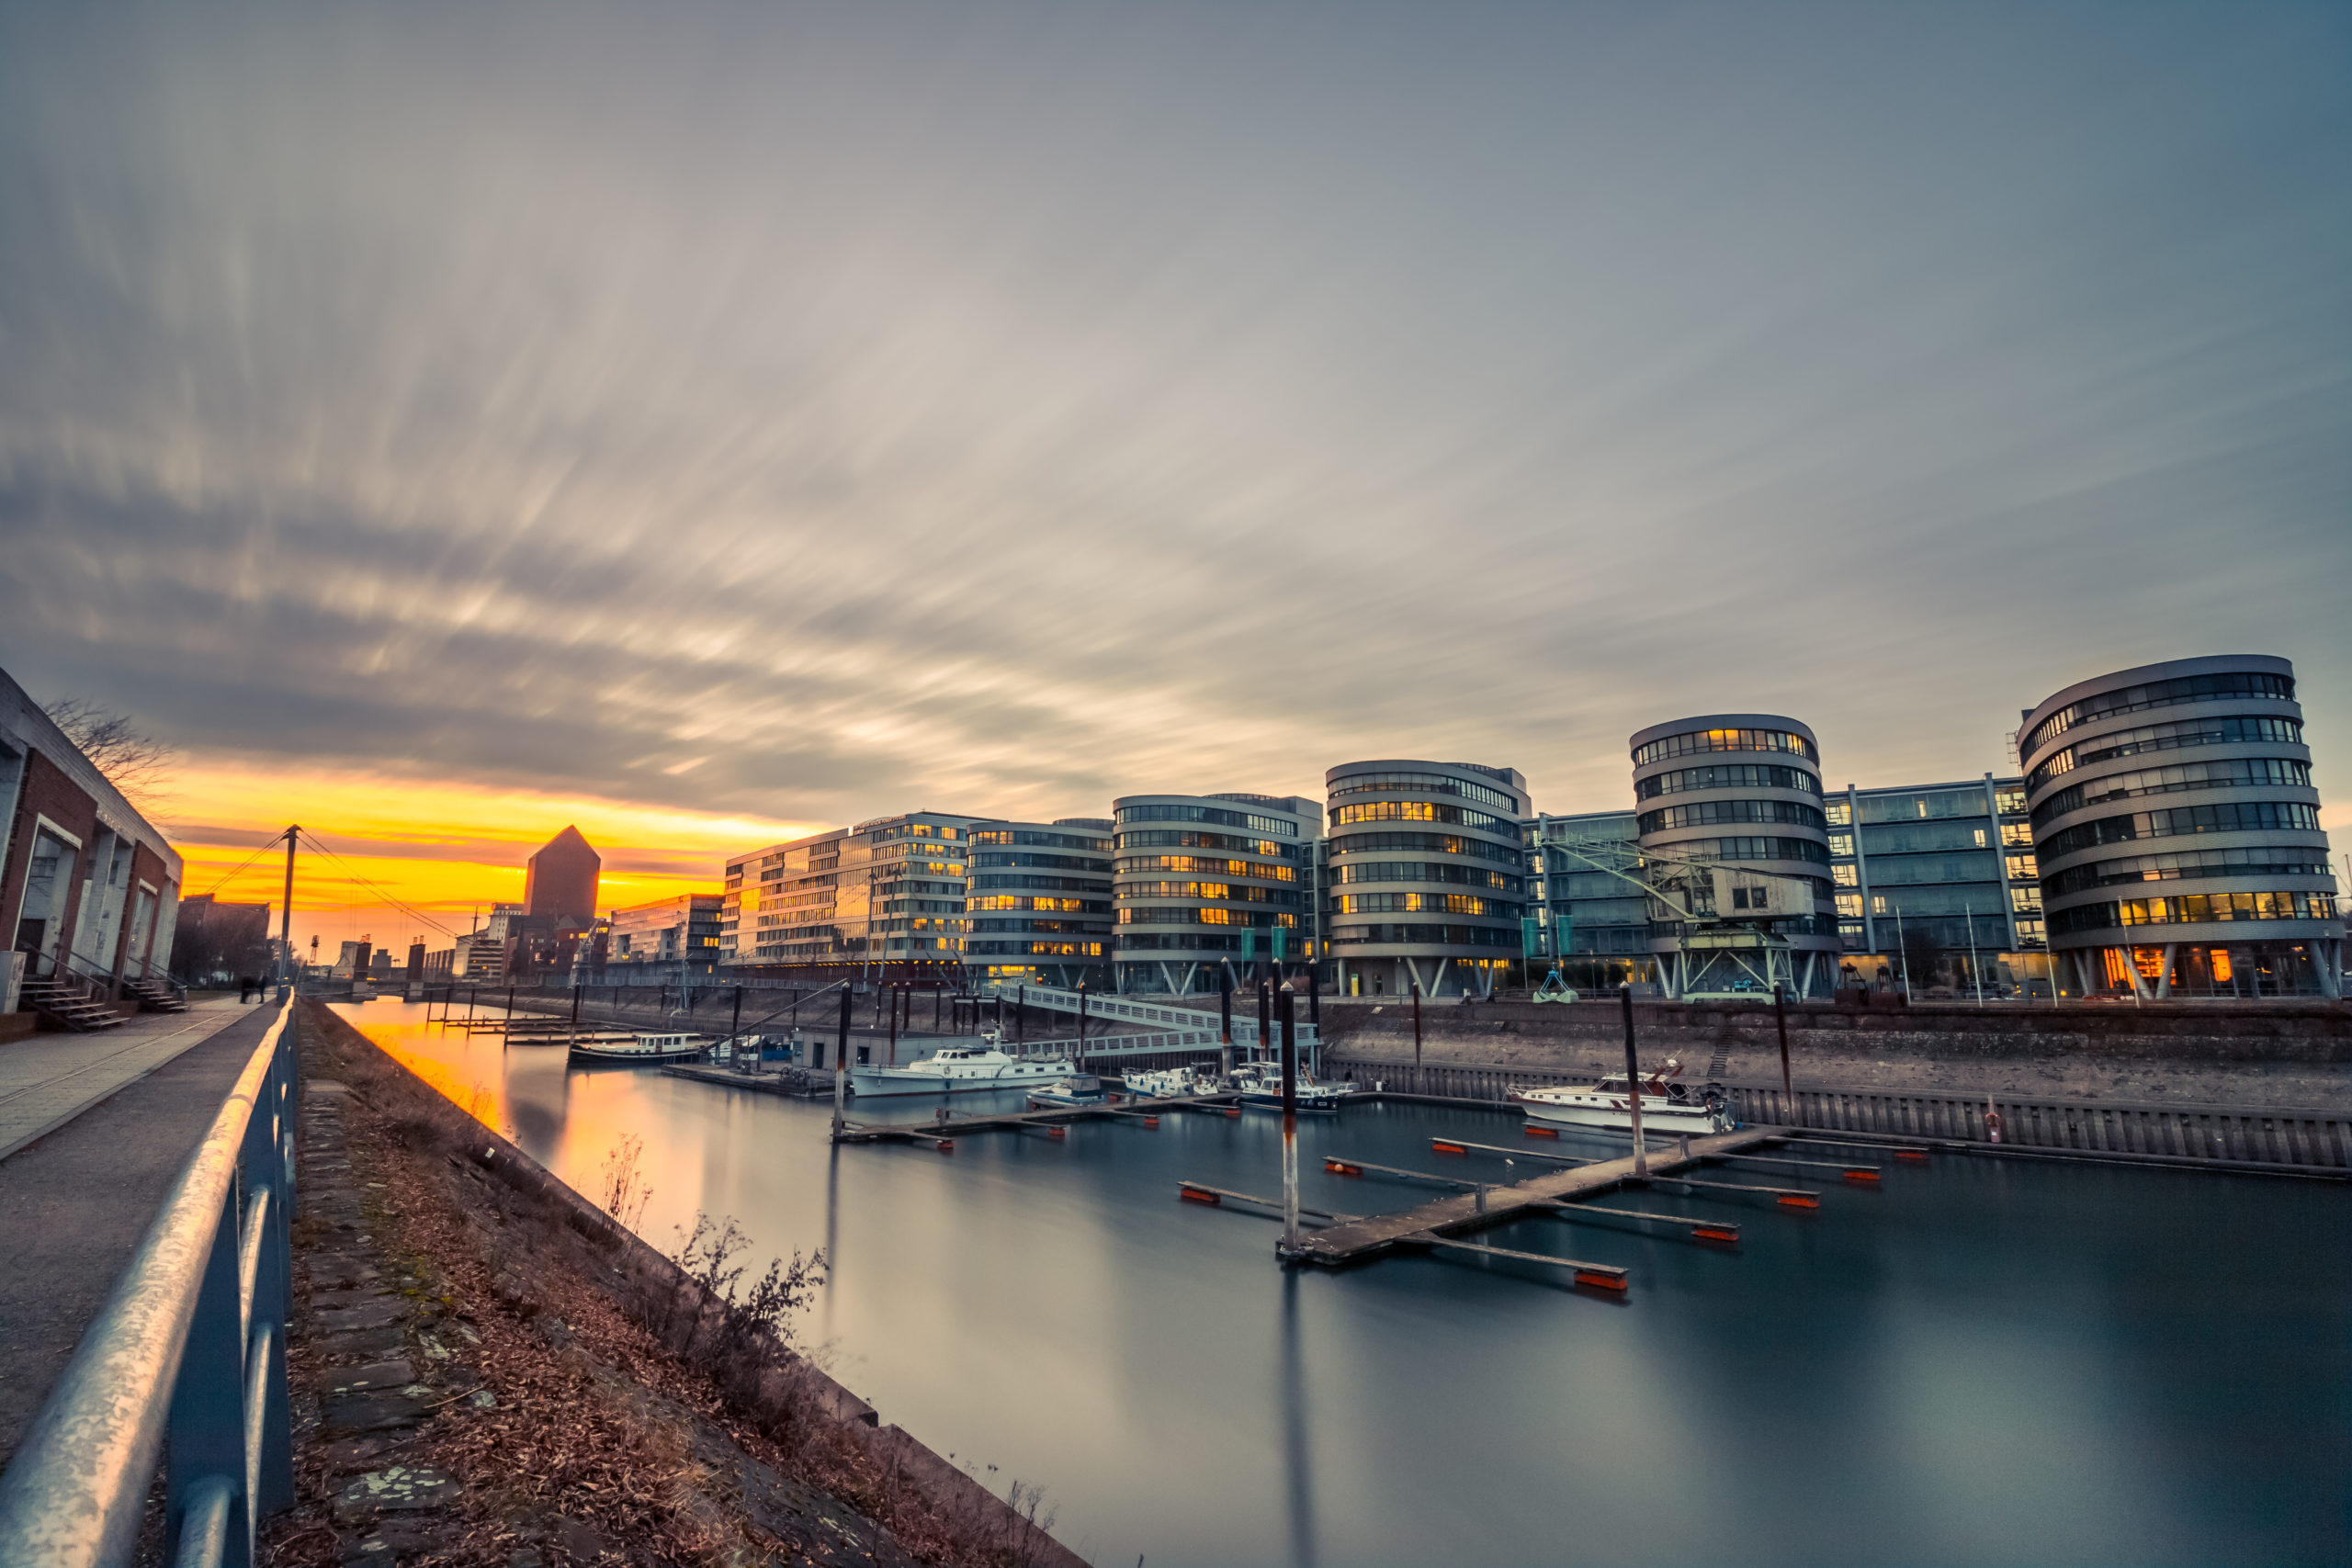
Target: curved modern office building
{"points": [[1744, 788], [1194, 872], [1038, 901], [1427, 877], [2177, 833]]}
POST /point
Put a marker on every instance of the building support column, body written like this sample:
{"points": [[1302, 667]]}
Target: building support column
{"points": [[2164, 981]]}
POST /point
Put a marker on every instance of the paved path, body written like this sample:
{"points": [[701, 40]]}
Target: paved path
{"points": [[121, 1119], [46, 1080]]}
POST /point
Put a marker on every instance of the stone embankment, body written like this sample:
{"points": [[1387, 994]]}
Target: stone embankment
{"points": [[2283, 1054], [489, 1369]]}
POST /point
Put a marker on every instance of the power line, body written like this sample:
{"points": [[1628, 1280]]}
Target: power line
{"points": [[248, 861], [388, 897]]}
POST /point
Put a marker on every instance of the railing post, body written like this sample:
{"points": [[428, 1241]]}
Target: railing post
{"points": [[207, 1431]]}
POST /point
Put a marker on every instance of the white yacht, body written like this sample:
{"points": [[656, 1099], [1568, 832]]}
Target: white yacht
{"points": [[1668, 1105], [958, 1069], [1260, 1084], [642, 1048], [1170, 1083]]}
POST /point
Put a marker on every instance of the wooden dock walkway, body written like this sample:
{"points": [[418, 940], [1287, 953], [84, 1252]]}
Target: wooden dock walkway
{"points": [[949, 1128], [1449, 1217]]}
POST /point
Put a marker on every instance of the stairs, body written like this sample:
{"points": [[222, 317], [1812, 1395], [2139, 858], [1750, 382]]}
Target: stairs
{"points": [[69, 1004], [156, 994]]}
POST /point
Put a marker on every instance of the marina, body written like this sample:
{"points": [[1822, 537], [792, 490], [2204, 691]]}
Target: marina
{"points": [[1434, 1400]]}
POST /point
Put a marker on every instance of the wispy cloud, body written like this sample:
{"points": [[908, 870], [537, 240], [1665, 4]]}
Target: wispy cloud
{"points": [[806, 413]]}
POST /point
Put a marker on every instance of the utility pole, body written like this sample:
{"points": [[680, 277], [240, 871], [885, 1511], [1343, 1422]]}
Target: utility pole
{"points": [[1633, 1085], [286, 915]]}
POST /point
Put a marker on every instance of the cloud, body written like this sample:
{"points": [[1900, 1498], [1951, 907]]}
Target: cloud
{"points": [[809, 414]]}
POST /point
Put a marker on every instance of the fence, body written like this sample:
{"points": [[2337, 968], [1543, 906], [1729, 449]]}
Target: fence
{"points": [[191, 1345], [2307, 1142]]}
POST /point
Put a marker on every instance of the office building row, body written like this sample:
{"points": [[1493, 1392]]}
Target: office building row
{"points": [[2160, 838]]}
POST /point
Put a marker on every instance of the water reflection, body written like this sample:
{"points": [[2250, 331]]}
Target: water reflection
{"points": [[1298, 1465], [1983, 1363]]}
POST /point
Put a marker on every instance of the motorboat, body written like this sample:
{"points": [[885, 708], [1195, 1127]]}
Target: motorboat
{"points": [[958, 1069], [640, 1049], [1668, 1105], [1079, 1088], [1170, 1083], [1260, 1084]]}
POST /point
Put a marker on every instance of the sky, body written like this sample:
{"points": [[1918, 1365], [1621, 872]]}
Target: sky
{"points": [[710, 423]]}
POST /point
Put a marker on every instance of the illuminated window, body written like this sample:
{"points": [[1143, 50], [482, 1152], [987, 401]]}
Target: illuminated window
{"points": [[1846, 875]]}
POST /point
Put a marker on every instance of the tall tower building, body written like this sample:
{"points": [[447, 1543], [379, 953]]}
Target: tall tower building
{"points": [[560, 881], [1428, 875]]}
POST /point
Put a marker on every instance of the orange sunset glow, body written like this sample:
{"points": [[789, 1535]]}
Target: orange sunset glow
{"points": [[441, 849]]}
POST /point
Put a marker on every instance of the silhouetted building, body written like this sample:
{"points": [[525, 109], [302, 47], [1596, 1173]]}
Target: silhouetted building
{"points": [[215, 941], [561, 880]]}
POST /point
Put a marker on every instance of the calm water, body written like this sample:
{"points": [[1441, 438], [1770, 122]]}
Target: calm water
{"points": [[1986, 1362]]}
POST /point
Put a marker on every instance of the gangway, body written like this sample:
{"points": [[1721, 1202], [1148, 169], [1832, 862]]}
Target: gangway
{"points": [[1157, 1015]]}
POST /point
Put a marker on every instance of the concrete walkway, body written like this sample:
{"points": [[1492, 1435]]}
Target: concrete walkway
{"points": [[98, 1127], [46, 1080]]}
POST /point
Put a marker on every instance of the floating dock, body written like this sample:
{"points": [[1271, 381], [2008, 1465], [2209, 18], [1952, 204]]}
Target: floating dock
{"points": [[1444, 1221]]}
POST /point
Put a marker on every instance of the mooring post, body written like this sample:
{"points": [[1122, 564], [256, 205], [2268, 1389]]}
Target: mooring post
{"points": [[1781, 1017], [1416, 1038], [1314, 1020], [1290, 1126], [890, 1051], [735, 1023], [1081, 1063], [1265, 1021], [1020, 1015], [1633, 1083], [841, 1063], [1225, 1025]]}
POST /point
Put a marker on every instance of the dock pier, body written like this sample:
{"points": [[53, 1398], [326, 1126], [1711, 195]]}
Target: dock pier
{"points": [[1444, 1220]]}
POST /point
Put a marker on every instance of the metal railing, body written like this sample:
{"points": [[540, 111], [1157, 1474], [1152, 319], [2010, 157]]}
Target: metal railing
{"points": [[191, 1345]]}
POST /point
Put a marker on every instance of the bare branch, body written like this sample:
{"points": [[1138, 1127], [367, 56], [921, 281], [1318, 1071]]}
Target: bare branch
{"points": [[133, 761]]}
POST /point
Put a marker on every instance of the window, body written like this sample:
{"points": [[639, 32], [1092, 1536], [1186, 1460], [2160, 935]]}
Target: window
{"points": [[1421, 811], [2025, 900], [2232, 817], [2022, 868], [1841, 813], [2160, 694], [1846, 875], [1981, 840], [2256, 772], [1840, 843], [1424, 783], [1724, 740], [2190, 866], [1878, 903], [2009, 799], [2016, 834], [2195, 909], [1706, 813], [1729, 775], [1439, 843], [1850, 904], [1281, 827]]}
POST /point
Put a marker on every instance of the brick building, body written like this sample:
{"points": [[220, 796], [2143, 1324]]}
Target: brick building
{"points": [[89, 889]]}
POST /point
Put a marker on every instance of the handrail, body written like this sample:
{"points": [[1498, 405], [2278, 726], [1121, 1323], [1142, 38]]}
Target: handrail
{"points": [[172, 1350]]}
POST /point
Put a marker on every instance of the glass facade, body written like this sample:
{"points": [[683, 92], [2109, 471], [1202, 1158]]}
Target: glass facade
{"points": [[1038, 905], [1937, 884], [1700, 949], [1188, 899], [1394, 917], [2262, 916], [887, 892]]}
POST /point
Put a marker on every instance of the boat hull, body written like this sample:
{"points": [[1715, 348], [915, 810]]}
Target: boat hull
{"points": [[1309, 1105], [871, 1083], [595, 1055], [1657, 1116]]}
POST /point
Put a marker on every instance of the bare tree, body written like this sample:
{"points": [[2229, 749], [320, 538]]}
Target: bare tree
{"points": [[133, 761]]}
